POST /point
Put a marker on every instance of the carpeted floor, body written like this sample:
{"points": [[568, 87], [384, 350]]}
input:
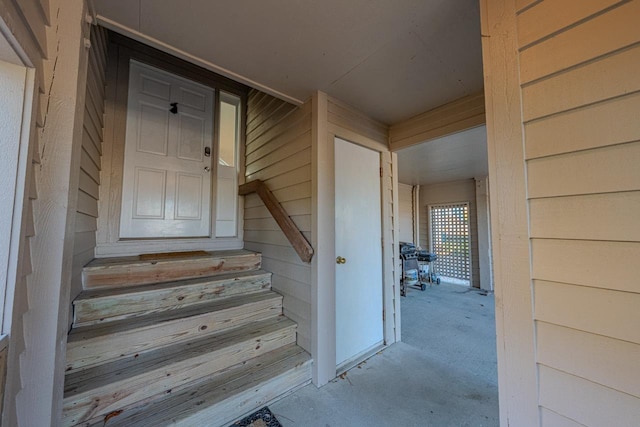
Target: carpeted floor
{"points": [[442, 374]]}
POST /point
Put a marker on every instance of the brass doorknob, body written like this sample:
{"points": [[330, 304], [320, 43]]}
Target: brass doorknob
{"points": [[341, 260]]}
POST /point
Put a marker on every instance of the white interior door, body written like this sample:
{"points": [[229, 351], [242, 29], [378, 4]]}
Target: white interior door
{"points": [[167, 161], [359, 242]]}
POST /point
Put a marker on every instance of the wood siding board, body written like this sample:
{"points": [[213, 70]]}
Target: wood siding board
{"points": [[84, 241], [271, 237], [599, 36], [293, 208], [275, 117], [299, 131], [303, 222], [584, 401], [586, 172], [300, 113], [298, 191], [610, 77], [299, 290], [90, 147], [85, 223], [613, 121], [300, 174], [599, 311], [550, 17], [581, 217], [88, 185], [87, 204], [610, 362], [94, 134], [280, 253], [87, 165], [287, 150], [272, 113], [290, 163], [590, 263], [266, 103]]}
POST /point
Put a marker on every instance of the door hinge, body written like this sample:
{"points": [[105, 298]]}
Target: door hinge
{"points": [[381, 174], [383, 315]]}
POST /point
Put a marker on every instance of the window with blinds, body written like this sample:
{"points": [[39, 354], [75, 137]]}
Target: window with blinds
{"points": [[450, 240]]}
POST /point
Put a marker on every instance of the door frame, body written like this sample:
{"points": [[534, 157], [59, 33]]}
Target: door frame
{"points": [[323, 265], [120, 51], [364, 353]]}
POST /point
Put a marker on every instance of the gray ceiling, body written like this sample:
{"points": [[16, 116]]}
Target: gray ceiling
{"points": [[459, 156], [390, 59]]}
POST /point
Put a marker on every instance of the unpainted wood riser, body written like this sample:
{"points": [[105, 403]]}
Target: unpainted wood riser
{"points": [[149, 299], [143, 386], [261, 381], [93, 349], [137, 272]]}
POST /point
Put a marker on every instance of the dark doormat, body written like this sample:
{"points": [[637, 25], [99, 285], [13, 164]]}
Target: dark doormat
{"points": [[261, 418]]}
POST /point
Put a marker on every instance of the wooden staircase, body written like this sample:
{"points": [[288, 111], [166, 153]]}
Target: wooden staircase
{"points": [[178, 340]]}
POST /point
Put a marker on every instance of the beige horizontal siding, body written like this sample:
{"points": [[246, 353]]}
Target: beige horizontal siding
{"points": [[90, 159], [580, 68], [278, 151]]}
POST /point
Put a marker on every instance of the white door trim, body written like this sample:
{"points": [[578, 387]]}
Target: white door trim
{"points": [[108, 242], [323, 332]]}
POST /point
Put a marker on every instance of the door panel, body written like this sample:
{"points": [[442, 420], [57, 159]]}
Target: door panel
{"points": [[153, 125], [188, 196], [359, 241], [149, 193], [167, 178]]}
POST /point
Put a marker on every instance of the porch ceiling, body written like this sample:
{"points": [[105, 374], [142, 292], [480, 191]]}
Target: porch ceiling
{"points": [[390, 59], [451, 158]]}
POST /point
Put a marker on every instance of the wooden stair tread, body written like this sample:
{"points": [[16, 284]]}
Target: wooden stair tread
{"points": [[248, 377], [108, 387], [90, 345], [132, 271], [99, 305], [99, 263], [98, 376], [157, 318]]}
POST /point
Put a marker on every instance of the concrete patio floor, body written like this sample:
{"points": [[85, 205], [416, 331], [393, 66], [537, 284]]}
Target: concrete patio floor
{"points": [[442, 374]]}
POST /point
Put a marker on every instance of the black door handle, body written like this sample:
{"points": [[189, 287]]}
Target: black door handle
{"points": [[174, 108]]}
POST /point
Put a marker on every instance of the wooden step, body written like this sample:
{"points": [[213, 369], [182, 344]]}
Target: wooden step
{"points": [[100, 305], [132, 271], [95, 344], [105, 388], [224, 397]]}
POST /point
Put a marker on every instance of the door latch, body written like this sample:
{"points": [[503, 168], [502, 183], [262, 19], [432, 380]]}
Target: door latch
{"points": [[207, 151]]}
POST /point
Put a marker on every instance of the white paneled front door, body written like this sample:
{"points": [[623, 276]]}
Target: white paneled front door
{"points": [[167, 161], [359, 251]]}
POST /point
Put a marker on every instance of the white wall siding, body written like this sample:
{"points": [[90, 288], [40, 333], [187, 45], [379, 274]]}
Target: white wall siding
{"points": [[278, 152]]}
